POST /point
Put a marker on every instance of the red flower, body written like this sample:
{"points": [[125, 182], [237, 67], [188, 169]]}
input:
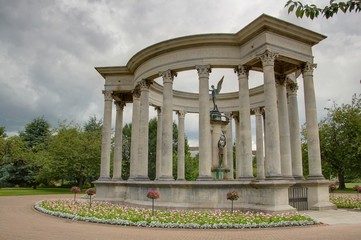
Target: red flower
{"points": [[232, 195], [153, 194], [75, 189], [90, 192]]}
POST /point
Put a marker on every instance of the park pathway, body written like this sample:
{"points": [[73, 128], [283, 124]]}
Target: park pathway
{"points": [[19, 220]]}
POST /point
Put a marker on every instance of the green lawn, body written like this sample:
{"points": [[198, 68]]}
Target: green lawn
{"points": [[30, 191], [349, 188]]}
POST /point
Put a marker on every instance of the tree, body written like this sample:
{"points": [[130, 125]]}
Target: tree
{"points": [[36, 136], [75, 153], [312, 11], [93, 125], [126, 149], [340, 140], [36, 133], [2, 132], [14, 168]]}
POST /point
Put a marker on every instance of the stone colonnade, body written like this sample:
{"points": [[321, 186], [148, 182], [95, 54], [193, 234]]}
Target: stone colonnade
{"points": [[278, 135]]}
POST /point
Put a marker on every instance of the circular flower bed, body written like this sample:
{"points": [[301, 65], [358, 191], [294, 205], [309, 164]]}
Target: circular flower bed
{"points": [[105, 212]]}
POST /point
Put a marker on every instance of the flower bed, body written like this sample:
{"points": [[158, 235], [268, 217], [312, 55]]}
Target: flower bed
{"points": [[104, 212], [346, 201]]}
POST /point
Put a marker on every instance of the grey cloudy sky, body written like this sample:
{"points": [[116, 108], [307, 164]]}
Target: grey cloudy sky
{"points": [[48, 50]]}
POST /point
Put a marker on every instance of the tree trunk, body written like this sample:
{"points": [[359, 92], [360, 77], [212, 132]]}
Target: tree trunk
{"points": [[341, 179], [80, 182]]}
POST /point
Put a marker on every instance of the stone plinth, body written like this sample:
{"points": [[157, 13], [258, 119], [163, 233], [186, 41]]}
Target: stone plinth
{"points": [[269, 196]]}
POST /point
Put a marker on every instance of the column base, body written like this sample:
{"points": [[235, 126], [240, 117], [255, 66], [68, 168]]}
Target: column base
{"points": [[204, 178], [117, 179], [166, 178], [274, 177], [245, 178], [299, 177], [288, 177], [104, 179], [139, 178], [318, 177]]}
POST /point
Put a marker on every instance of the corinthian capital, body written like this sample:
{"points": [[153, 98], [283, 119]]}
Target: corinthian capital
{"points": [[181, 113], [136, 92], [108, 95], [307, 68], [145, 84], [292, 86], [242, 71], [168, 76], [119, 105], [203, 70], [281, 80], [267, 58], [257, 110]]}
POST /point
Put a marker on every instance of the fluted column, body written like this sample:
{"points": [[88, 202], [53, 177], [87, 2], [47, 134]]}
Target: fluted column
{"points": [[143, 130], [229, 146], [117, 166], [158, 160], [106, 136], [296, 152], [205, 158], [284, 127], [273, 156], [134, 158], [181, 143], [167, 126], [313, 140], [259, 143], [245, 137]]}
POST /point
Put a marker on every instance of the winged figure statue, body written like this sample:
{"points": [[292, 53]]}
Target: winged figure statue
{"points": [[215, 92]]}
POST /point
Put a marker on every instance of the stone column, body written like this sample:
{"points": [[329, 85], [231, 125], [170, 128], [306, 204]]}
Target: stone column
{"points": [[229, 145], [117, 166], [237, 143], [167, 126], [134, 158], [181, 143], [158, 160], [205, 158], [143, 130], [273, 156], [106, 136], [285, 147], [245, 136], [313, 140], [296, 152], [259, 142]]}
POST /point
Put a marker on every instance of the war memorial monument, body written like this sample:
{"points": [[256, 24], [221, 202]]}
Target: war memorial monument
{"points": [[283, 53]]}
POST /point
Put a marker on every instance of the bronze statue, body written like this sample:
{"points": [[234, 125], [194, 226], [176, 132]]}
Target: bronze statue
{"points": [[221, 144], [215, 92]]}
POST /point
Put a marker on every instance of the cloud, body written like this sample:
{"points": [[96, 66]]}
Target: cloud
{"points": [[48, 51]]}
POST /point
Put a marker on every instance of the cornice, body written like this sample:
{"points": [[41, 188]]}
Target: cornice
{"points": [[263, 23]]}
